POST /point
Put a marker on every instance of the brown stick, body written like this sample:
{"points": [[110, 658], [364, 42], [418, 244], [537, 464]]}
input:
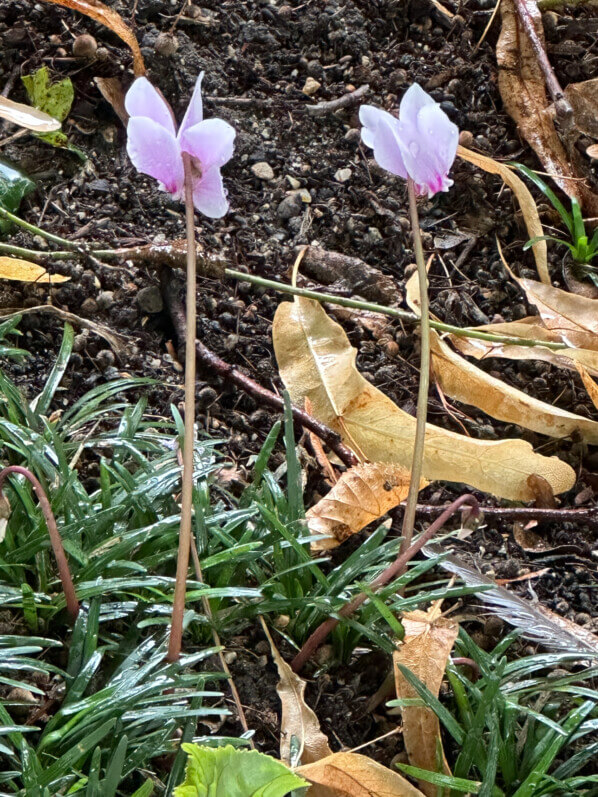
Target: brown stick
{"points": [[346, 101], [72, 604], [588, 515], [207, 358], [320, 634]]}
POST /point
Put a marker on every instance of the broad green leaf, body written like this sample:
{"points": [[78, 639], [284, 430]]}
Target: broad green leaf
{"points": [[13, 187], [226, 772], [53, 98]]}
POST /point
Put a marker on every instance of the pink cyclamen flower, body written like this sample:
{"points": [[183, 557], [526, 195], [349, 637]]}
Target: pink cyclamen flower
{"points": [[157, 149], [421, 144]]}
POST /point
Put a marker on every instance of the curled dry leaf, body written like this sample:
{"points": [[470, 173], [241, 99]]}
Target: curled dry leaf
{"points": [[11, 268], [522, 87], [25, 116], [529, 211], [298, 721], [361, 495], [111, 19], [354, 775], [429, 639], [526, 328], [589, 384], [316, 360], [584, 101]]}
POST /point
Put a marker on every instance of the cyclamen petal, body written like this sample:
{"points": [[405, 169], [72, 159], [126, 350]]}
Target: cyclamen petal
{"points": [[209, 195], [210, 141], [421, 144], [194, 113], [154, 150], [142, 99]]}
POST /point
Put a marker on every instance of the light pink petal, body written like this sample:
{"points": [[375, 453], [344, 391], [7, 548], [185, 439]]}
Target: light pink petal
{"points": [[210, 141], [379, 131], [194, 113], [429, 149], [209, 195], [414, 99], [142, 99], [155, 151]]}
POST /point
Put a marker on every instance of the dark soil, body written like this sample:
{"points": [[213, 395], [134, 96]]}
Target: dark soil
{"points": [[263, 52]]}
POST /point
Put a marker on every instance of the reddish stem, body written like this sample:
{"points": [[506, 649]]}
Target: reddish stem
{"points": [[72, 604], [320, 634]]}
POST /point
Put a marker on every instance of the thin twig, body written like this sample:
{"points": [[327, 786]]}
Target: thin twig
{"points": [[319, 635], [207, 358], [72, 604], [424, 374], [346, 101], [180, 589], [588, 515]]}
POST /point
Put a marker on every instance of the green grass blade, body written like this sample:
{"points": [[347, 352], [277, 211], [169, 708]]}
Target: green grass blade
{"points": [[41, 403]]}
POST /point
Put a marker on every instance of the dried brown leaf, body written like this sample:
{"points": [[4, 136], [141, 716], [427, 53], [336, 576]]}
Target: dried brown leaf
{"points": [[584, 101], [429, 639], [361, 495], [589, 384], [354, 775], [111, 19], [28, 117], [11, 268], [316, 360], [529, 211], [298, 720], [113, 92]]}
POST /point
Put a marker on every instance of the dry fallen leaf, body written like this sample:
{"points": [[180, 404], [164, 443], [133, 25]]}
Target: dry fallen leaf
{"points": [[584, 101], [529, 211], [28, 117], [465, 382], [11, 268], [113, 92], [298, 720], [528, 328], [361, 495], [316, 360], [589, 384], [523, 90], [111, 19], [429, 639], [354, 775]]}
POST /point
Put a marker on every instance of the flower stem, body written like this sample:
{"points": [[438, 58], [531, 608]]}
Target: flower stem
{"points": [[178, 607], [72, 604], [424, 374]]}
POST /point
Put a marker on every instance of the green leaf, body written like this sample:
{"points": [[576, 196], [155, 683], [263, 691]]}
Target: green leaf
{"points": [[53, 98], [13, 187], [226, 772], [549, 194], [457, 784]]}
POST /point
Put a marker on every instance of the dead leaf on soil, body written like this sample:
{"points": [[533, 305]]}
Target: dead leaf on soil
{"points": [[529, 211], [11, 268], [112, 20], [527, 328], [429, 639], [361, 495], [354, 775], [465, 382], [25, 116], [522, 87], [584, 101], [316, 360], [298, 721], [589, 384], [113, 92]]}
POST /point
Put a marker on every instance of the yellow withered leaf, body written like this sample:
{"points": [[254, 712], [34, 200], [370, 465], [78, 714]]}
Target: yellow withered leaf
{"points": [[354, 775], [361, 495], [25, 116], [429, 639], [589, 384], [11, 268], [298, 721], [529, 211], [317, 361]]}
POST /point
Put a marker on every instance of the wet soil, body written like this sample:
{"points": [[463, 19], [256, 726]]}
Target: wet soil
{"points": [[257, 57]]}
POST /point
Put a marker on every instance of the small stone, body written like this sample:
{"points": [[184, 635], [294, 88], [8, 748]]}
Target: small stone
{"points": [[353, 134], [80, 341], [150, 299], [89, 307], [293, 182], [230, 656], [166, 44], [206, 397], [263, 171], [24, 698], [85, 46], [465, 138], [311, 86], [105, 358], [291, 206], [342, 175], [373, 235], [105, 300]]}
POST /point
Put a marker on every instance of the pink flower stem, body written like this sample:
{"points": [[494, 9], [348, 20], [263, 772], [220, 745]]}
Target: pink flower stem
{"points": [[180, 588], [424, 375], [72, 604], [396, 568]]}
